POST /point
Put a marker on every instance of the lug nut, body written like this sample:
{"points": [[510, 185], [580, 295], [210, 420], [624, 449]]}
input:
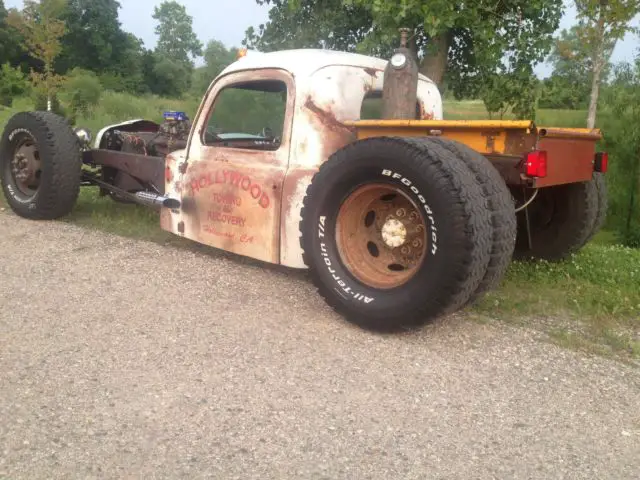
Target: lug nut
{"points": [[417, 243], [401, 212], [414, 216], [405, 250]]}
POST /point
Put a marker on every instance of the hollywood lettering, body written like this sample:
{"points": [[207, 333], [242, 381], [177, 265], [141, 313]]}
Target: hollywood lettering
{"points": [[233, 178]]}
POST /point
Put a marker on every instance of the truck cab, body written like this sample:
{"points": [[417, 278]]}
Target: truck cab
{"points": [[264, 127]]}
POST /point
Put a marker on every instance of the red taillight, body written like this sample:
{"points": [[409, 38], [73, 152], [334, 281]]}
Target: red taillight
{"points": [[168, 174], [601, 163], [536, 164]]}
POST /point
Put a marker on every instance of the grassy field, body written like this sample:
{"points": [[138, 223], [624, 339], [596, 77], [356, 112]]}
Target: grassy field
{"points": [[591, 302]]}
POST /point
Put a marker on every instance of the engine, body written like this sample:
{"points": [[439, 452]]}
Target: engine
{"points": [[149, 138]]}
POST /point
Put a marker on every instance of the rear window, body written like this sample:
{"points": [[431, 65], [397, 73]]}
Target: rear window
{"points": [[372, 107]]}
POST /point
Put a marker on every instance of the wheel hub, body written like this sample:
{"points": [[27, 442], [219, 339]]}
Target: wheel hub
{"points": [[26, 167], [394, 233], [381, 236]]}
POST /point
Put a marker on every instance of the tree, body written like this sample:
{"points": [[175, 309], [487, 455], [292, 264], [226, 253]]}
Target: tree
{"points": [[330, 24], [217, 57], [42, 29], [622, 140], [468, 40], [94, 39], [570, 82], [9, 44], [601, 23], [12, 84], [176, 39]]}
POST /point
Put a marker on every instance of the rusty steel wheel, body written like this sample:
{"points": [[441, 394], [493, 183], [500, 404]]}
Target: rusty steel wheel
{"points": [[40, 165], [25, 167], [381, 236]]}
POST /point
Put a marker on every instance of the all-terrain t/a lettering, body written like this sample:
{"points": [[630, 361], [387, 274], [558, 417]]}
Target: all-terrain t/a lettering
{"points": [[327, 260]]}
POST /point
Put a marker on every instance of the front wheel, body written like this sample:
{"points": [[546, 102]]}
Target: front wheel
{"points": [[40, 165], [395, 232]]}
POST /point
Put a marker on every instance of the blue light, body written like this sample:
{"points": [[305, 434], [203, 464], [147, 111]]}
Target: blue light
{"points": [[175, 116]]}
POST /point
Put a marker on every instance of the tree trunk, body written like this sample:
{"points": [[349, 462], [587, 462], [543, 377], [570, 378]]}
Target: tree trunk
{"points": [[434, 65], [595, 92], [598, 65]]}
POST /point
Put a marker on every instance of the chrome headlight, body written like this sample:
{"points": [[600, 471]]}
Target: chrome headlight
{"points": [[399, 60]]}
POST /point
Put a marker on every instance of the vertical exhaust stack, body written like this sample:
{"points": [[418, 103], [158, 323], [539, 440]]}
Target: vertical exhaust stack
{"points": [[400, 91]]}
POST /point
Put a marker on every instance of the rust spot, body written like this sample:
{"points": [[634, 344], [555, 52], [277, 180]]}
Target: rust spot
{"points": [[491, 140], [182, 168], [328, 119], [181, 227], [371, 71], [519, 142], [424, 114]]}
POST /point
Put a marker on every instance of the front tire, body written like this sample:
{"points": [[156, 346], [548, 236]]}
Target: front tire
{"points": [[40, 165], [395, 232]]}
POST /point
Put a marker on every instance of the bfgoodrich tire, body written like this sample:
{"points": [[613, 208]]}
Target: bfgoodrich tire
{"points": [[561, 220], [395, 232], [501, 206], [40, 165]]}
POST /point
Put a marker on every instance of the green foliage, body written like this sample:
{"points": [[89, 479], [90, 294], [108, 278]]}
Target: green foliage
{"points": [[176, 39], [168, 77], [13, 83], [260, 109], [10, 48], [331, 24], [513, 92], [81, 91], [217, 57], [601, 23], [570, 83], [481, 40], [622, 140], [40, 102], [41, 28], [561, 92]]}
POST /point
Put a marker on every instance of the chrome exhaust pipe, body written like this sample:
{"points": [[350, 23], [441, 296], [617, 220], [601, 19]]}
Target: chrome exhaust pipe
{"points": [[154, 200]]}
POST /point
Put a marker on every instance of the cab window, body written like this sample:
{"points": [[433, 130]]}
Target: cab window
{"points": [[248, 115]]}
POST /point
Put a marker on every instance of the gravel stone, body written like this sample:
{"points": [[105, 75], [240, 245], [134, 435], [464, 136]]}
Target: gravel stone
{"points": [[126, 359]]}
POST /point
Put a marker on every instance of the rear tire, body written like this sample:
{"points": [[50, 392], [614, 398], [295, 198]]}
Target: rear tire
{"points": [[561, 218], [447, 202], [40, 165], [501, 206], [603, 205]]}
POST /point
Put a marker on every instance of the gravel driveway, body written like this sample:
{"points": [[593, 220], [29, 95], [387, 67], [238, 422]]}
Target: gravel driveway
{"points": [[125, 359]]}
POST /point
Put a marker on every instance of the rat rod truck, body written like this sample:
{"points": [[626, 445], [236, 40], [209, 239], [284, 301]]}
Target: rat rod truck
{"points": [[398, 220]]}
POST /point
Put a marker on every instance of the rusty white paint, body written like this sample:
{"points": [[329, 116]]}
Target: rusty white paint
{"points": [[326, 89]]}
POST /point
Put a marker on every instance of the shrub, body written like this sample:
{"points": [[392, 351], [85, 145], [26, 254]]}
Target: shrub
{"points": [[12, 84], [82, 91], [620, 113]]}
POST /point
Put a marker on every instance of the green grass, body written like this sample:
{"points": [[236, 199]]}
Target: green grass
{"points": [[475, 110], [590, 302]]}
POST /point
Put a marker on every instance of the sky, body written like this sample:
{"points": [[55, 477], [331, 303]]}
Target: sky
{"points": [[227, 21]]}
